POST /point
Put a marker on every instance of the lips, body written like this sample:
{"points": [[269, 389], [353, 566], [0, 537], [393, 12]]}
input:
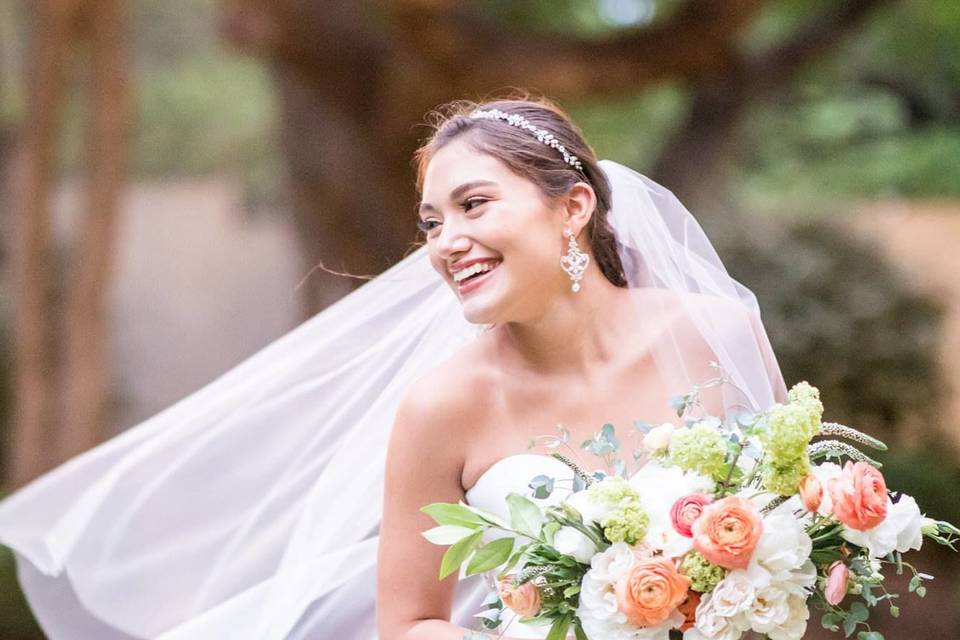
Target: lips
{"points": [[475, 281]]}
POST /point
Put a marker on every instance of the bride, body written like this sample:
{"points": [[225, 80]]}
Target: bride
{"points": [[282, 500]]}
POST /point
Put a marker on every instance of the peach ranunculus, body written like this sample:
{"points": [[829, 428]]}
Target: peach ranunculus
{"points": [[859, 496], [524, 600], [727, 531], [837, 576], [650, 591], [686, 510], [811, 493], [689, 609]]}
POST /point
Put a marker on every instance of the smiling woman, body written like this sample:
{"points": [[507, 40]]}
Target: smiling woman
{"points": [[283, 500]]}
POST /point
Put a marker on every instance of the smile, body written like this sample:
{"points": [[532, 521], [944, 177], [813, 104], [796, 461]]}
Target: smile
{"points": [[473, 276]]}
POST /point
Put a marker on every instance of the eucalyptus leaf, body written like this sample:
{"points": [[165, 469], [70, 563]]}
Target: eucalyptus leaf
{"points": [[525, 516], [542, 486], [859, 612], [490, 556], [457, 553], [447, 534]]}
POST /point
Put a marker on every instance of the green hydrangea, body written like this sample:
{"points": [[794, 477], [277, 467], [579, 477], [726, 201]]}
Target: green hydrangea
{"points": [[806, 395], [784, 477], [787, 433], [703, 574], [614, 490], [701, 449], [627, 523]]}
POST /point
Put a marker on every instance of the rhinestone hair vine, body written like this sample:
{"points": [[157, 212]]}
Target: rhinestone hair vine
{"points": [[542, 135]]}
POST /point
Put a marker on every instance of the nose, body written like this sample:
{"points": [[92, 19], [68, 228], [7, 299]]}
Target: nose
{"points": [[452, 241]]}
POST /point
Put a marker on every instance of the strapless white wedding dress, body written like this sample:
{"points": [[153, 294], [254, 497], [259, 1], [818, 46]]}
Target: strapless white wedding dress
{"points": [[508, 475]]}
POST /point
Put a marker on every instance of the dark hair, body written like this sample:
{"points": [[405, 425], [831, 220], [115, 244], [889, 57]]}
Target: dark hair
{"points": [[528, 157]]}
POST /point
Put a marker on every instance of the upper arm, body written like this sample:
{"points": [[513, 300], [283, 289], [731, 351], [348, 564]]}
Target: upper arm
{"points": [[424, 464]]}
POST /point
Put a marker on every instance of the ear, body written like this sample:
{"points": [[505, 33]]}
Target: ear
{"points": [[579, 204]]}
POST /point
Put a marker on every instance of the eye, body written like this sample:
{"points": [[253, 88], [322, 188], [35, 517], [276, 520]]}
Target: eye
{"points": [[427, 225], [476, 202]]}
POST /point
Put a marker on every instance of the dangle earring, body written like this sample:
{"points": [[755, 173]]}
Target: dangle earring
{"points": [[574, 262]]}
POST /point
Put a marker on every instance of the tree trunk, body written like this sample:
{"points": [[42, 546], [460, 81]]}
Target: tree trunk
{"points": [[85, 376], [31, 427]]}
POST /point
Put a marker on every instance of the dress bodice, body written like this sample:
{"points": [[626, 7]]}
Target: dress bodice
{"points": [[513, 474]]}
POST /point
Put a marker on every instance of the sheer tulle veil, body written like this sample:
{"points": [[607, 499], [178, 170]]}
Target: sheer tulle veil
{"points": [[238, 511]]}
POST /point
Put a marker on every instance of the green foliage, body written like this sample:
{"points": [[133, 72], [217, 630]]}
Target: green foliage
{"points": [[16, 621]]}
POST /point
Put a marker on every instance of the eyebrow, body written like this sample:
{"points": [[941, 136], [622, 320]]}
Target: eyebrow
{"points": [[456, 193]]}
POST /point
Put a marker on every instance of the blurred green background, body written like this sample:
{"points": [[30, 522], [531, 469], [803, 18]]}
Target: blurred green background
{"points": [[818, 142]]}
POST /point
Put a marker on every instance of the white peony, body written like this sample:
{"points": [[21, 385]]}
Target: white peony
{"points": [[598, 611], [573, 542], [769, 610], [734, 594], [711, 625], [659, 488], [796, 624], [782, 555], [900, 530]]}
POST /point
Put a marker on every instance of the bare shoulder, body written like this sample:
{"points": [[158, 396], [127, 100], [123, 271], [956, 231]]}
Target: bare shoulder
{"points": [[439, 411]]}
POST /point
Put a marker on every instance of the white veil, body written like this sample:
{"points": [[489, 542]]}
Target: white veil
{"points": [[238, 511]]}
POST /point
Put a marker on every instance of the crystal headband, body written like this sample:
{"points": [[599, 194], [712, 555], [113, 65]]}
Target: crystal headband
{"points": [[542, 135]]}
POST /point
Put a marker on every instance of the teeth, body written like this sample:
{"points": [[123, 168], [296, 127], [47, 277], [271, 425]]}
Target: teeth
{"points": [[473, 269]]}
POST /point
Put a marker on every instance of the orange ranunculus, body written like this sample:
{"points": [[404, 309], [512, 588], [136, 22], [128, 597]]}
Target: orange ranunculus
{"points": [[859, 496], [650, 591], [524, 600], [727, 532], [811, 493], [689, 609]]}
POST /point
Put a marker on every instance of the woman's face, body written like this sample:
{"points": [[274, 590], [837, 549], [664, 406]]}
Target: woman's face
{"points": [[491, 235]]}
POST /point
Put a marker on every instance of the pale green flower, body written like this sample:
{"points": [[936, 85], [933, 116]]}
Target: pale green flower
{"points": [[612, 489], [701, 449], [807, 396], [787, 433], [627, 523], [703, 574], [783, 476]]}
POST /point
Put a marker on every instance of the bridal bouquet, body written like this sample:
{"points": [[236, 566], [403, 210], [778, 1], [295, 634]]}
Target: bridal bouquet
{"points": [[730, 526]]}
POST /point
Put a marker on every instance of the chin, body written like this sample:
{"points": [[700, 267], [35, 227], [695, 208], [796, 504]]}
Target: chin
{"points": [[479, 313]]}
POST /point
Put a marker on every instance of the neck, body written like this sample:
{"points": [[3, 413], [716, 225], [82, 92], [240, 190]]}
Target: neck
{"points": [[577, 331]]}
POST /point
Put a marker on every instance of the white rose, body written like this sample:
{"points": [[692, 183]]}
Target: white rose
{"points": [[900, 530], [733, 595], [573, 542], [910, 520], [796, 624], [769, 609], [658, 438]]}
